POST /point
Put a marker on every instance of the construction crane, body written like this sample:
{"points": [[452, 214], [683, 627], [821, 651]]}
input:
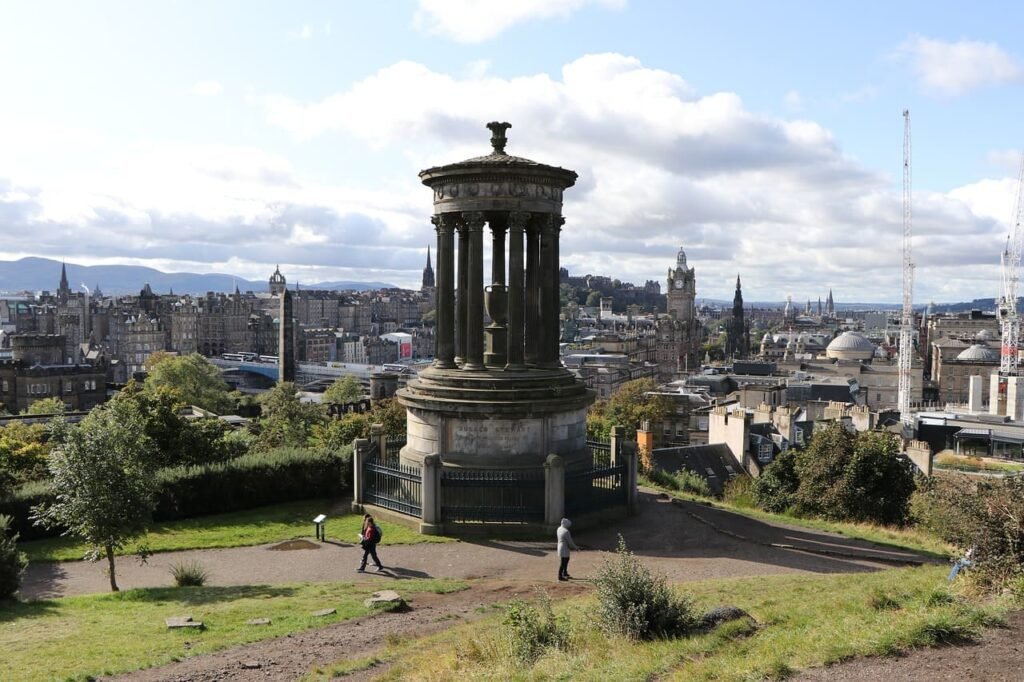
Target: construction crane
{"points": [[1009, 321], [907, 320]]}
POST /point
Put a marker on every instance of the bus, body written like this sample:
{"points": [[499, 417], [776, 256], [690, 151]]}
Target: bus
{"points": [[268, 358], [240, 357], [399, 369]]}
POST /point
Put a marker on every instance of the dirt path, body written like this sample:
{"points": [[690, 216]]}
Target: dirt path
{"points": [[686, 541], [997, 657], [291, 657], [683, 540]]}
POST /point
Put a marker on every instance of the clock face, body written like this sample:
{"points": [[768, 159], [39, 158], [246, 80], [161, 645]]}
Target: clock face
{"points": [[679, 284]]}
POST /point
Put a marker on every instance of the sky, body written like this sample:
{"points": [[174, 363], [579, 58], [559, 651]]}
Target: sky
{"points": [[765, 139]]}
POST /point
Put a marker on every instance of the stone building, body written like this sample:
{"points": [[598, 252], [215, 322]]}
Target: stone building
{"points": [[952, 375], [678, 334]]}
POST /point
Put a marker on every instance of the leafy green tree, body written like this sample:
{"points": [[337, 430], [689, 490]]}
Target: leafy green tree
{"points": [[46, 406], [191, 379], [593, 299], [23, 452], [345, 389], [286, 420], [775, 488], [841, 475], [391, 415], [103, 480], [12, 562], [337, 433]]}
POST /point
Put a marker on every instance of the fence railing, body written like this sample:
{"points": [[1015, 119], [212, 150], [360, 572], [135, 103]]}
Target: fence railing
{"points": [[486, 496], [394, 446], [600, 452], [595, 489], [393, 486]]}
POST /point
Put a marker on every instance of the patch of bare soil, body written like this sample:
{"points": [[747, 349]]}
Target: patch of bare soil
{"points": [[292, 656], [997, 656], [294, 544]]}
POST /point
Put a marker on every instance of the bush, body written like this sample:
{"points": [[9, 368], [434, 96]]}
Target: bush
{"points": [[253, 480], [739, 491], [985, 515], [12, 562], [683, 480], [531, 630], [189, 574], [638, 604], [842, 476]]}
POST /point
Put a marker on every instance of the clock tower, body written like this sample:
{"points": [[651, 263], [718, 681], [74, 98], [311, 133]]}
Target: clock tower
{"points": [[682, 290]]}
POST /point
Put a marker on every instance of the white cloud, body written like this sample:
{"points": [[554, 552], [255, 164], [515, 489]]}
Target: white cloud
{"points": [[207, 88], [305, 33], [475, 21], [793, 100], [954, 68], [775, 199], [660, 166]]}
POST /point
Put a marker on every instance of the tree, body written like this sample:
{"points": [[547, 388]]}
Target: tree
{"points": [[23, 452], [46, 406], [103, 480], [593, 299], [286, 420], [12, 562], [345, 389], [841, 475], [192, 379]]}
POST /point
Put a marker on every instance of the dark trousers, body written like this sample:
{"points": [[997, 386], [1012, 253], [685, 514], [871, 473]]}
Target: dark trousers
{"points": [[370, 550], [563, 569]]}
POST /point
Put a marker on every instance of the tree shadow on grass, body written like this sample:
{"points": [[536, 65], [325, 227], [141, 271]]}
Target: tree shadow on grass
{"points": [[201, 595], [12, 610]]}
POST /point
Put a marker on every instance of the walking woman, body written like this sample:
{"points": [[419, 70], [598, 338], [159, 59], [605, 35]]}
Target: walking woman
{"points": [[368, 539], [565, 543]]}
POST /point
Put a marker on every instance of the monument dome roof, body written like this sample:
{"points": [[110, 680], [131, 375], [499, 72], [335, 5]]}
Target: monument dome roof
{"points": [[979, 352], [850, 345]]}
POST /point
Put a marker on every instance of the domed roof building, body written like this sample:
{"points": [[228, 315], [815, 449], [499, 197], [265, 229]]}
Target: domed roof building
{"points": [[979, 352], [850, 346]]}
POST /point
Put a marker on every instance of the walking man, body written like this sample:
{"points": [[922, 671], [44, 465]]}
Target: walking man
{"points": [[565, 543], [368, 539]]}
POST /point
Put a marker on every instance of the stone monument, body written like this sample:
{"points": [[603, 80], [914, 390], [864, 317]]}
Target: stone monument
{"points": [[496, 395]]}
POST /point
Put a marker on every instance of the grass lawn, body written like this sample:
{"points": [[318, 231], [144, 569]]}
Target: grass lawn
{"points": [[237, 529], [948, 460], [82, 637], [803, 621], [902, 538]]}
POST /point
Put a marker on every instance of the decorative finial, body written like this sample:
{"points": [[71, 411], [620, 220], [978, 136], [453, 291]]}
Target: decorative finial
{"points": [[498, 138]]}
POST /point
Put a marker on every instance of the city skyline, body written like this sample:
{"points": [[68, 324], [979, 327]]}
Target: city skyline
{"points": [[234, 137]]}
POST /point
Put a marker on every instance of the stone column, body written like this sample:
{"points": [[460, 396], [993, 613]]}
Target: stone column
{"points": [[496, 298], [517, 224], [617, 441], [430, 498], [444, 302], [473, 224], [547, 352], [359, 450], [554, 491], [378, 436], [460, 295], [532, 293], [629, 458]]}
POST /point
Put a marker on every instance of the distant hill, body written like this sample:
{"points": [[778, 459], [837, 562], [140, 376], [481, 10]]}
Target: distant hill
{"points": [[36, 274]]}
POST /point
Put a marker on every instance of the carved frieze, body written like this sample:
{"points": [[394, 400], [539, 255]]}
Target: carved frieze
{"points": [[503, 189]]}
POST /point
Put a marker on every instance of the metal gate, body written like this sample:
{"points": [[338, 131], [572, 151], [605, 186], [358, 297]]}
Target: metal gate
{"points": [[487, 496], [393, 486]]}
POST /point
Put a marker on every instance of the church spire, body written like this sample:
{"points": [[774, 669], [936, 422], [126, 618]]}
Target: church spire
{"points": [[428, 273], [63, 290]]}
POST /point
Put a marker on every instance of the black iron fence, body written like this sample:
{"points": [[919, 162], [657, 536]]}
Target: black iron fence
{"points": [[595, 489], [488, 496], [393, 447], [391, 485], [600, 453]]}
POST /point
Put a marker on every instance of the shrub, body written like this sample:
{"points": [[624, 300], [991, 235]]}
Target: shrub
{"points": [[693, 483], [12, 562], [533, 629], [662, 478], [638, 604], [986, 515], [189, 574], [253, 480], [739, 491]]}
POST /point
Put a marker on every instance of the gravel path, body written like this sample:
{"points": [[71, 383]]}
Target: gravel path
{"points": [[686, 541], [683, 540]]}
